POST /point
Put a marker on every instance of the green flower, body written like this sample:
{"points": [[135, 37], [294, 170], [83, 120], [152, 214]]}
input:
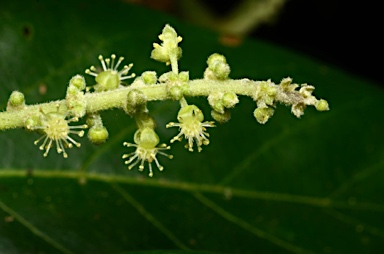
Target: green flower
{"points": [[56, 131], [192, 127], [146, 141], [109, 78]]}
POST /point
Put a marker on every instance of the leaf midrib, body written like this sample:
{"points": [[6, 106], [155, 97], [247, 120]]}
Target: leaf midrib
{"points": [[83, 177]]}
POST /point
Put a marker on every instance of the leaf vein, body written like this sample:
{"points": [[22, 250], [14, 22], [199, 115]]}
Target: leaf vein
{"points": [[248, 227], [323, 202], [148, 216], [34, 230]]}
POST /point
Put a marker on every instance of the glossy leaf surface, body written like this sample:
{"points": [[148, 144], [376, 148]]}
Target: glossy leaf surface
{"points": [[309, 185]]}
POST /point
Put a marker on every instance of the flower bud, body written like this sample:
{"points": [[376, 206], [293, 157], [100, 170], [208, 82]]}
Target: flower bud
{"points": [[229, 100], [221, 70], [221, 117], [149, 77], [135, 99], [218, 66], [78, 81], [263, 114], [16, 101], [75, 100], [169, 47], [215, 101], [215, 57], [98, 135], [322, 105], [184, 76]]}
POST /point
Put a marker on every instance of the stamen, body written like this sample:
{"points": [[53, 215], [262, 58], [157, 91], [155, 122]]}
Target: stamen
{"points": [[134, 164], [113, 56], [38, 140], [128, 77], [150, 170], [58, 147], [108, 61], [102, 62], [73, 141], [118, 63], [45, 142], [48, 148], [87, 71]]}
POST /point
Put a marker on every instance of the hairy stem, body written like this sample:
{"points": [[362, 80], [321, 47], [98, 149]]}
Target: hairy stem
{"points": [[117, 98]]}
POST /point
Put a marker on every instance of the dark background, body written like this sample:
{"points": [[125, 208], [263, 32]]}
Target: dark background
{"points": [[343, 33], [339, 32]]}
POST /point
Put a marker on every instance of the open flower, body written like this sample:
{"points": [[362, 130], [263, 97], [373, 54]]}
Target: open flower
{"points": [[109, 78], [146, 141], [56, 130], [192, 127]]}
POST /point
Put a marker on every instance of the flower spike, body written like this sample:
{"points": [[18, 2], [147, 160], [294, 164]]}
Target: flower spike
{"points": [[146, 141], [192, 127]]}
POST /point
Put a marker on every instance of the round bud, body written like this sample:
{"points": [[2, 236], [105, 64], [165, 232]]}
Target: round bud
{"points": [[78, 81], [216, 57], [220, 69], [229, 100], [98, 135], [149, 77], [263, 114], [218, 106], [135, 99], [72, 90], [221, 117], [184, 76], [173, 76], [322, 105], [16, 99]]}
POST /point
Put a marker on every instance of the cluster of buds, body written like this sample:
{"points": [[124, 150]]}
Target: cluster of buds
{"points": [[52, 120]]}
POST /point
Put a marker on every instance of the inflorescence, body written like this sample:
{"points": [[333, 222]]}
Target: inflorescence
{"points": [[52, 119]]}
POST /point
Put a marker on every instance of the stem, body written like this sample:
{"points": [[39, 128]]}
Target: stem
{"points": [[96, 102], [183, 102], [174, 63]]}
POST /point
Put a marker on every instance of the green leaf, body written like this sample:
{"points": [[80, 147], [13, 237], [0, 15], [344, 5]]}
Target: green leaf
{"points": [[310, 185]]}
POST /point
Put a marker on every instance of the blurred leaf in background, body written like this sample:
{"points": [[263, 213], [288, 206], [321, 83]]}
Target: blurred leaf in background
{"points": [[309, 185]]}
